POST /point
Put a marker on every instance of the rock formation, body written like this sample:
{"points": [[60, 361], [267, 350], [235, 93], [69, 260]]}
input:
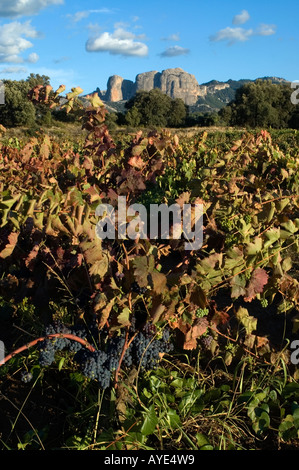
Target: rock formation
{"points": [[147, 81], [179, 84], [119, 89], [176, 83]]}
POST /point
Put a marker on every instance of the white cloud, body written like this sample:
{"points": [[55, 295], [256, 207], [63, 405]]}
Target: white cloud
{"points": [[266, 29], [242, 18], [80, 15], [33, 58], [239, 34], [172, 37], [13, 70], [13, 41], [17, 8], [175, 51], [121, 33], [232, 35], [120, 42]]}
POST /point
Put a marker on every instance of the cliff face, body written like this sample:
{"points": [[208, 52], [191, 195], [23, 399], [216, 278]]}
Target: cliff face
{"points": [[179, 84], [147, 81], [119, 89], [175, 83]]}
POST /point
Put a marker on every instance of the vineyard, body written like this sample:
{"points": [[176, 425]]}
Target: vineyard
{"points": [[138, 344]]}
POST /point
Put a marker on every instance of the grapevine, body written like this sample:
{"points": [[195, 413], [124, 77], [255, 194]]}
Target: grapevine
{"points": [[49, 197], [145, 350]]}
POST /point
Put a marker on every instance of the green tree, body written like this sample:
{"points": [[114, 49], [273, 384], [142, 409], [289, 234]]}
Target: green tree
{"points": [[111, 120], [154, 108], [47, 119], [178, 113], [260, 104], [133, 117], [17, 110], [35, 79]]}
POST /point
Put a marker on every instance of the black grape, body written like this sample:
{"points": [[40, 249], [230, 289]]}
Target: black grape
{"points": [[206, 341], [145, 350], [93, 366], [137, 289], [47, 353]]}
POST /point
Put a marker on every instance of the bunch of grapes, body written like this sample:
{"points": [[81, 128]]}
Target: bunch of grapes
{"points": [[58, 328], [227, 224], [94, 366], [264, 302], [206, 341], [114, 351], [47, 353], [202, 312], [137, 289], [145, 349]]}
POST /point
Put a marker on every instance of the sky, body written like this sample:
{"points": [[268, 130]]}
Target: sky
{"points": [[83, 43]]}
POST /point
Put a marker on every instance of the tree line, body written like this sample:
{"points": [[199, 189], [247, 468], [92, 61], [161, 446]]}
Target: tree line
{"points": [[256, 104]]}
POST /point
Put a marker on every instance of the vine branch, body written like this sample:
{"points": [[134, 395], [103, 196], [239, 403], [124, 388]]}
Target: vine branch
{"points": [[40, 340]]}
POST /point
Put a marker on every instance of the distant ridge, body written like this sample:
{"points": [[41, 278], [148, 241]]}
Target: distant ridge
{"points": [[176, 83]]}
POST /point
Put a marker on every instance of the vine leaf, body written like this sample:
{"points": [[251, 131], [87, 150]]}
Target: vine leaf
{"points": [[10, 246], [29, 262], [238, 284], [199, 328], [159, 281], [150, 421], [137, 162], [256, 285], [249, 322], [105, 313], [99, 268], [143, 266], [218, 317]]}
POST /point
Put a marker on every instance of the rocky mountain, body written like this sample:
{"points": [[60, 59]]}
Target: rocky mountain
{"points": [[176, 83]]}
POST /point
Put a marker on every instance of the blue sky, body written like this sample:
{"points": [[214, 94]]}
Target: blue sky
{"points": [[82, 43]]}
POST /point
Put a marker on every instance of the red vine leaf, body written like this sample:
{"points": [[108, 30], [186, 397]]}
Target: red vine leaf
{"points": [[10, 246], [218, 317], [29, 261], [256, 285], [136, 162], [199, 328]]}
